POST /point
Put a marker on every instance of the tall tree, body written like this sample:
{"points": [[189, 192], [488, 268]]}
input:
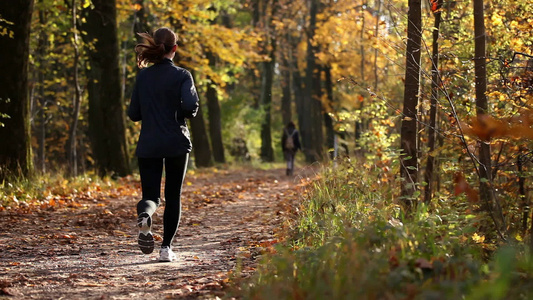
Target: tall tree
{"points": [[297, 84], [214, 116], [140, 23], [376, 35], [42, 48], [285, 70], [72, 144], [308, 124], [107, 131], [15, 153], [485, 164], [359, 125], [256, 8], [328, 120], [408, 134], [213, 110], [318, 112], [201, 148], [267, 79], [435, 86]]}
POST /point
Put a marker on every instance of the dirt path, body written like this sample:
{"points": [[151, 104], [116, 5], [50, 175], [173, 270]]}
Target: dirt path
{"points": [[88, 250]]}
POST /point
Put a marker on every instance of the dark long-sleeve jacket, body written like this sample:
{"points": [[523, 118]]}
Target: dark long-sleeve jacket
{"points": [[163, 96], [295, 139]]}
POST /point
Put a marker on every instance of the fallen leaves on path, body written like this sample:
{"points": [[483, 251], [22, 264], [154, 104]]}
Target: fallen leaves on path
{"points": [[83, 245]]}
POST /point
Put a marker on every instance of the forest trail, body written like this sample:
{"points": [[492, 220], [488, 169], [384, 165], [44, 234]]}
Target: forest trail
{"points": [[86, 249]]}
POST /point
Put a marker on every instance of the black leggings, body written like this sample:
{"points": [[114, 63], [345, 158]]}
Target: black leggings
{"points": [[151, 170]]}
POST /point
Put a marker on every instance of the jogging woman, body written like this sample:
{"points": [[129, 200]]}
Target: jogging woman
{"points": [[163, 96]]}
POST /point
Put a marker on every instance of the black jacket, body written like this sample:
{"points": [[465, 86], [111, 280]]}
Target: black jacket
{"points": [[163, 96], [295, 138]]}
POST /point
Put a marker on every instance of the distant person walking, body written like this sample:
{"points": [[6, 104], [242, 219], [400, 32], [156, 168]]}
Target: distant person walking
{"points": [[163, 96], [290, 142]]}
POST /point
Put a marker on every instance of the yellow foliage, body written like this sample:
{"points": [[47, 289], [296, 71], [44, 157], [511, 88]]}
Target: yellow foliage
{"points": [[497, 20], [479, 239]]}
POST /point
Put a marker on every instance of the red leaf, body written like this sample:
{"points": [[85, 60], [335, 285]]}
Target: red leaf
{"points": [[434, 5]]}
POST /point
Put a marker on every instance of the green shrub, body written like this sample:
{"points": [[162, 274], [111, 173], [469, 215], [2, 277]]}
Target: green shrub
{"points": [[350, 242]]}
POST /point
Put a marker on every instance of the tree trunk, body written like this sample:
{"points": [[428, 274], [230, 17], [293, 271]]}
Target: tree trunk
{"points": [[362, 49], [328, 120], [485, 168], [71, 144], [139, 20], [408, 135], [267, 152], [286, 107], [522, 190], [256, 80], [214, 115], [435, 85], [140, 25], [308, 106], [376, 34], [318, 113], [297, 84], [15, 153], [41, 132], [358, 126], [481, 97], [201, 148], [106, 109]]}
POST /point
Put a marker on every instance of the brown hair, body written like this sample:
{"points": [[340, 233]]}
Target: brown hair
{"points": [[155, 47]]}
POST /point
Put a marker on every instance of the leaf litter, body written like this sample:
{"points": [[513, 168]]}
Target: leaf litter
{"points": [[84, 246]]}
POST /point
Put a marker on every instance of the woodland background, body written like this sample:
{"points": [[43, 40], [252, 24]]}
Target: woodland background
{"points": [[432, 99]]}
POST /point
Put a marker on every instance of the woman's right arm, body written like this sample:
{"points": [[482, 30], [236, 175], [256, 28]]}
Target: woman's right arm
{"points": [[134, 110]]}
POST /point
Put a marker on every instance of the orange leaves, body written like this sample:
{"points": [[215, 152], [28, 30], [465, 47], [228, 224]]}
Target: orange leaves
{"points": [[486, 127], [51, 193], [388, 122], [461, 186], [137, 6]]}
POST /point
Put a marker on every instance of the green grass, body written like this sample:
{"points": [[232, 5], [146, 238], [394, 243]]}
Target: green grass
{"points": [[349, 241]]}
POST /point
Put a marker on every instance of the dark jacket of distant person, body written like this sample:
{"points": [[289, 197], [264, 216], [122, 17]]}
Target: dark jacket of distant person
{"points": [[291, 130]]}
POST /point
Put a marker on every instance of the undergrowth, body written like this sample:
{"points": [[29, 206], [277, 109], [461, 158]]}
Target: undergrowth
{"points": [[350, 241]]}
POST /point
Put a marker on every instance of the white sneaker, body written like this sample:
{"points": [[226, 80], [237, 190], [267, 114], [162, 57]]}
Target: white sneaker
{"points": [[146, 238], [166, 254]]}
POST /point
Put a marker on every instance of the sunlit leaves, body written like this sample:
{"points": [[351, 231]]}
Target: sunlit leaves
{"points": [[194, 21], [6, 32]]}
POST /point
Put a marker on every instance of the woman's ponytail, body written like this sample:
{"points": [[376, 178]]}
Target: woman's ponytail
{"points": [[155, 47]]}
